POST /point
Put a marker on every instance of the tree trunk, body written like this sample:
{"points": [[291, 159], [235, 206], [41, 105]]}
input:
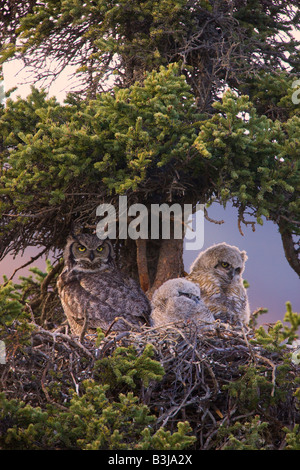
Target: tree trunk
{"points": [[291, 253], [169, 264], [142, 263]]}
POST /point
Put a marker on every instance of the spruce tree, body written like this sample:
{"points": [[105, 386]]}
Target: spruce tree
{"points": [[145, 138]]}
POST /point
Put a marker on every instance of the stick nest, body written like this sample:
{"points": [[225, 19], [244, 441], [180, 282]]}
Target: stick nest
{"points": [[200, 367]]}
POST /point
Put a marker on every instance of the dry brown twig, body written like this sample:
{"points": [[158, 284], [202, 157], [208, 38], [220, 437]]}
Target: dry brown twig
{"points": [[197, 365]]}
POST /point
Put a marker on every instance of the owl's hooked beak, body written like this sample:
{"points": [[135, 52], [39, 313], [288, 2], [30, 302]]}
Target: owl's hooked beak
{"points": [[231, 273], [92, 256]]}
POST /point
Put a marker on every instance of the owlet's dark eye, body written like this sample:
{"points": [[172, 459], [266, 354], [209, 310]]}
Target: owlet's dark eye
{"points": [[100, 248], [82, 249], [225, 265]]}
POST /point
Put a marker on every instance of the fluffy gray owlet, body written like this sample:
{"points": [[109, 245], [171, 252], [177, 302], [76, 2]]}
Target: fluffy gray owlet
{"points": [[94, 292], [218, 272], [179, 299]]}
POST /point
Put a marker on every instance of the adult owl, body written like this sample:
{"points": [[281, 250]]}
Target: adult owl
{"points": [[179, 300], [218, 272], [94, 292]]}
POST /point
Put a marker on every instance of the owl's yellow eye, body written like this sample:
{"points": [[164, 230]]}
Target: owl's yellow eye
{"points": [[82, 249], [224, 264], [100, 248]]}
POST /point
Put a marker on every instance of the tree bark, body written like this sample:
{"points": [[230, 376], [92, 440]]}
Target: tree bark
{"points": [[142, 263], [170, 263], [291, 253]]}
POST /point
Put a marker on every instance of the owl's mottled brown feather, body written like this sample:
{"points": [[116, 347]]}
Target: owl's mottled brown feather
{"points": [[98, 297], [222, 289]]}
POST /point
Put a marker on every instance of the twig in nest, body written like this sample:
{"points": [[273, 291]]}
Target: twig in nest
{"points": [[28, 306], [63, 337], [85, 324], [72, 375], [58, 405], [274, 366], [211, 373], [248, 344], [114, 341], [124, 320]]}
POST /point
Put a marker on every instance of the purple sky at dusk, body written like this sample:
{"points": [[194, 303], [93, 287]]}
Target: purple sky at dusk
{"points": [[272, 280]]}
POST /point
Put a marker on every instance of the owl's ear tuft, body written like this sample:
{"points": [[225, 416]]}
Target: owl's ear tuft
{"points": [[76, 230], [72, 237]]}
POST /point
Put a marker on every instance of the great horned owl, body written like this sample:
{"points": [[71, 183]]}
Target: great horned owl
{"points": [[179, 299], [94, 292], [218, 272]]}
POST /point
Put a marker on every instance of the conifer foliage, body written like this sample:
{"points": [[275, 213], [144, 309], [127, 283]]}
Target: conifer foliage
{"points": [[170, 60], [177, 101]]}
